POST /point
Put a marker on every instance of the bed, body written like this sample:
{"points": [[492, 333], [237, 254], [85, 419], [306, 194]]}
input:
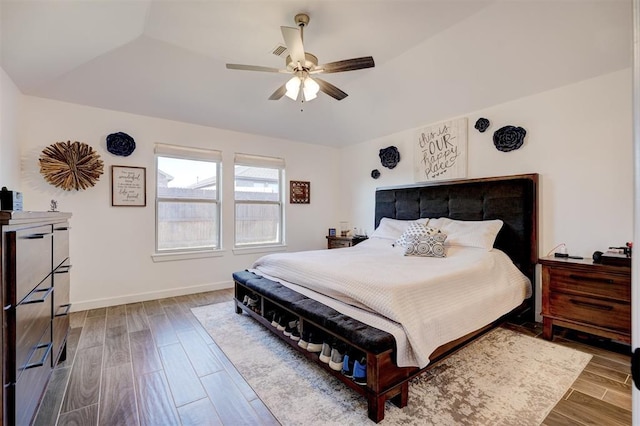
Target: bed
{"points": [[360, 308]]}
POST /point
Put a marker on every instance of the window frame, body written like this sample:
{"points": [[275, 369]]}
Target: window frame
{"points": [[191, 154], [257, 161]]}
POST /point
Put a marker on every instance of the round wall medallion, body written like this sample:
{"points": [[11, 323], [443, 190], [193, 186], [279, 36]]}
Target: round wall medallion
{"points": [[509, 138], [482, 124], [70, 165], [375, 173], [120, 144], [389, 157]]}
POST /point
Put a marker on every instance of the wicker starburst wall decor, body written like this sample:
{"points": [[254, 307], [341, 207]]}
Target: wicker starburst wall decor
{"points": [[71, 165]]}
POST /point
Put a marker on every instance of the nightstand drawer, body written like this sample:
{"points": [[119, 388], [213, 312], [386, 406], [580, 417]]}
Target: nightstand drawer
{"points": [[598, 312], [593, 283], [339, 244]]}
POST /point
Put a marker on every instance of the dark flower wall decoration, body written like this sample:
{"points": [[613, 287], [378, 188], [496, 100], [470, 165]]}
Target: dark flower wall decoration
{"points": [[120, 144], [482, 124], [375, 173], [509, 138], [389, 157]]}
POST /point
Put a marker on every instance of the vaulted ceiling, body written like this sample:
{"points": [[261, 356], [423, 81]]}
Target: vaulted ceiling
{"points": [[434, 59]]}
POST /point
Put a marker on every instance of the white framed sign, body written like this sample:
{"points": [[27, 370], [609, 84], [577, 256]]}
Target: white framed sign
{"points": [[128, 186], [440, 151]]}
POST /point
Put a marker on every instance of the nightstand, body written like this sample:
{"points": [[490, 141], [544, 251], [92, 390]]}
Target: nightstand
{"points": [[340, 242], [587, 297]]}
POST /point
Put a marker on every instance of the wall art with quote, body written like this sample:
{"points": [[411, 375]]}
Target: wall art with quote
{"points": [[441, 151], [128, 186]]}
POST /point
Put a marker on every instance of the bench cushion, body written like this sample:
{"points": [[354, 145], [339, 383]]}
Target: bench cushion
{"points": [[356, 332]]}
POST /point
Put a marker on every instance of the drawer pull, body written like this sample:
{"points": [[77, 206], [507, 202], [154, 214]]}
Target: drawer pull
{"points": [[66, 307], [45, 355], [39, 235], [592, 305], [46, 291], [62, 228], [62, 269], [598, 280]]}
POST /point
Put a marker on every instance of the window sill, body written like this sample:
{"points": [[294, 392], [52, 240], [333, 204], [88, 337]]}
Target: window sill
{"points": [[263, 249], [170, 257]]}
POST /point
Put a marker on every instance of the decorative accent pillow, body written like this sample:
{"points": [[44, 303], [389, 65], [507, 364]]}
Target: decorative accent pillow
{"points": [[425, 245], [392, 229], [416, 228], [469, 233]]}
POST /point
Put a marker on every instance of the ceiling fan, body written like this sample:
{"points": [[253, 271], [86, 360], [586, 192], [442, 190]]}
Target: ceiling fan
{"points": [[303, 65]]}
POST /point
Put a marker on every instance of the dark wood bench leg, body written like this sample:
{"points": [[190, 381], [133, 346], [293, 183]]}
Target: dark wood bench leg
{"points": [[375, 406], [238, 309], [402, 398]]}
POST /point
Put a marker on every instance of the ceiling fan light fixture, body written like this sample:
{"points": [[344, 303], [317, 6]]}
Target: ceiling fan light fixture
{"points": [[302, 64], [293, 88], [310, 89]]}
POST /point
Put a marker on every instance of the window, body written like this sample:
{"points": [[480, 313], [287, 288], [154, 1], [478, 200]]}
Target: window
{"points": [[187, 199], [259, 206]]}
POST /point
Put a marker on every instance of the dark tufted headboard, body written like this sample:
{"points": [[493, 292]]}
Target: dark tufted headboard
{"points": [[513, 199]]}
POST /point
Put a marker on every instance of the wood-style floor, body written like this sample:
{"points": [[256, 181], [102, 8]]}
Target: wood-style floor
{"points": [[152, 363]]}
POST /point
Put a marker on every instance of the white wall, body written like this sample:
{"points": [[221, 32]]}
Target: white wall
{"points": [[9, 145], [111, 247], [579, 139]]}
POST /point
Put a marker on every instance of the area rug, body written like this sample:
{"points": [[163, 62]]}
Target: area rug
{"points": [[503, 378]]}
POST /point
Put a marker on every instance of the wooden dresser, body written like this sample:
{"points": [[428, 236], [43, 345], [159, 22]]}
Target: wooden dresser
{"points": [[35, 300], [588, 297]]}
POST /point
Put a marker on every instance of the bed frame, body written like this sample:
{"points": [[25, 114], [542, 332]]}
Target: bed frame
{"points": [[513, 199]]}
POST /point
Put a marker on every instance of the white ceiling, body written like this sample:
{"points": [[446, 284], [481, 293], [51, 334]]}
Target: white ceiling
{"points": [[434, 59]]}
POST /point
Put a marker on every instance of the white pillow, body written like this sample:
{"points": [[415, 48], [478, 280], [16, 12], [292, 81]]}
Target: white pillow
{"points": [[413, 229], [392, 229], [468, 233]]}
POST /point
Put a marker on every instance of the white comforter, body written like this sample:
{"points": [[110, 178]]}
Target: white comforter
{"points": [[429, 301]]}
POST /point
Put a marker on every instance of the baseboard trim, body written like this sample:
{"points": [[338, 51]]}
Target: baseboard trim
{"points": [[141, 297]]}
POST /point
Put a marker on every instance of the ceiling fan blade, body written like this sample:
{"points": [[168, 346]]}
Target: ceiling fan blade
{"points": [[254, 68], [279, 93], [348, 65], [293, 40], [330, 89]]}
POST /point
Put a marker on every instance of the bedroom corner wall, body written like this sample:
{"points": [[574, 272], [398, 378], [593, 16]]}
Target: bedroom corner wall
{"points": [[111, 247], [9, 144], [579, 139]]}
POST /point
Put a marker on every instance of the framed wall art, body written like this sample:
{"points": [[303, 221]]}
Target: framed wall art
{"points": [[299, 192], [128, 186], [441, 151]]}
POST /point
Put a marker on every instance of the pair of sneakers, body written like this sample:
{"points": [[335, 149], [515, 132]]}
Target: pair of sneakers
{"points": [[289, 326], [274, 317], [354, 366], [311, 340], [332, 353], [252, 301], [292, 330], [278, 320]]}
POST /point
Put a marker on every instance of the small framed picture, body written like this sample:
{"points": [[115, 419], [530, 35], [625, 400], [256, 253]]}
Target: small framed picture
{"points": [[299, 192], [128, 186], [332, 232]]}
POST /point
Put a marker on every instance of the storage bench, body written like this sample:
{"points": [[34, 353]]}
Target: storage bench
{"points": [[377, 345]]}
